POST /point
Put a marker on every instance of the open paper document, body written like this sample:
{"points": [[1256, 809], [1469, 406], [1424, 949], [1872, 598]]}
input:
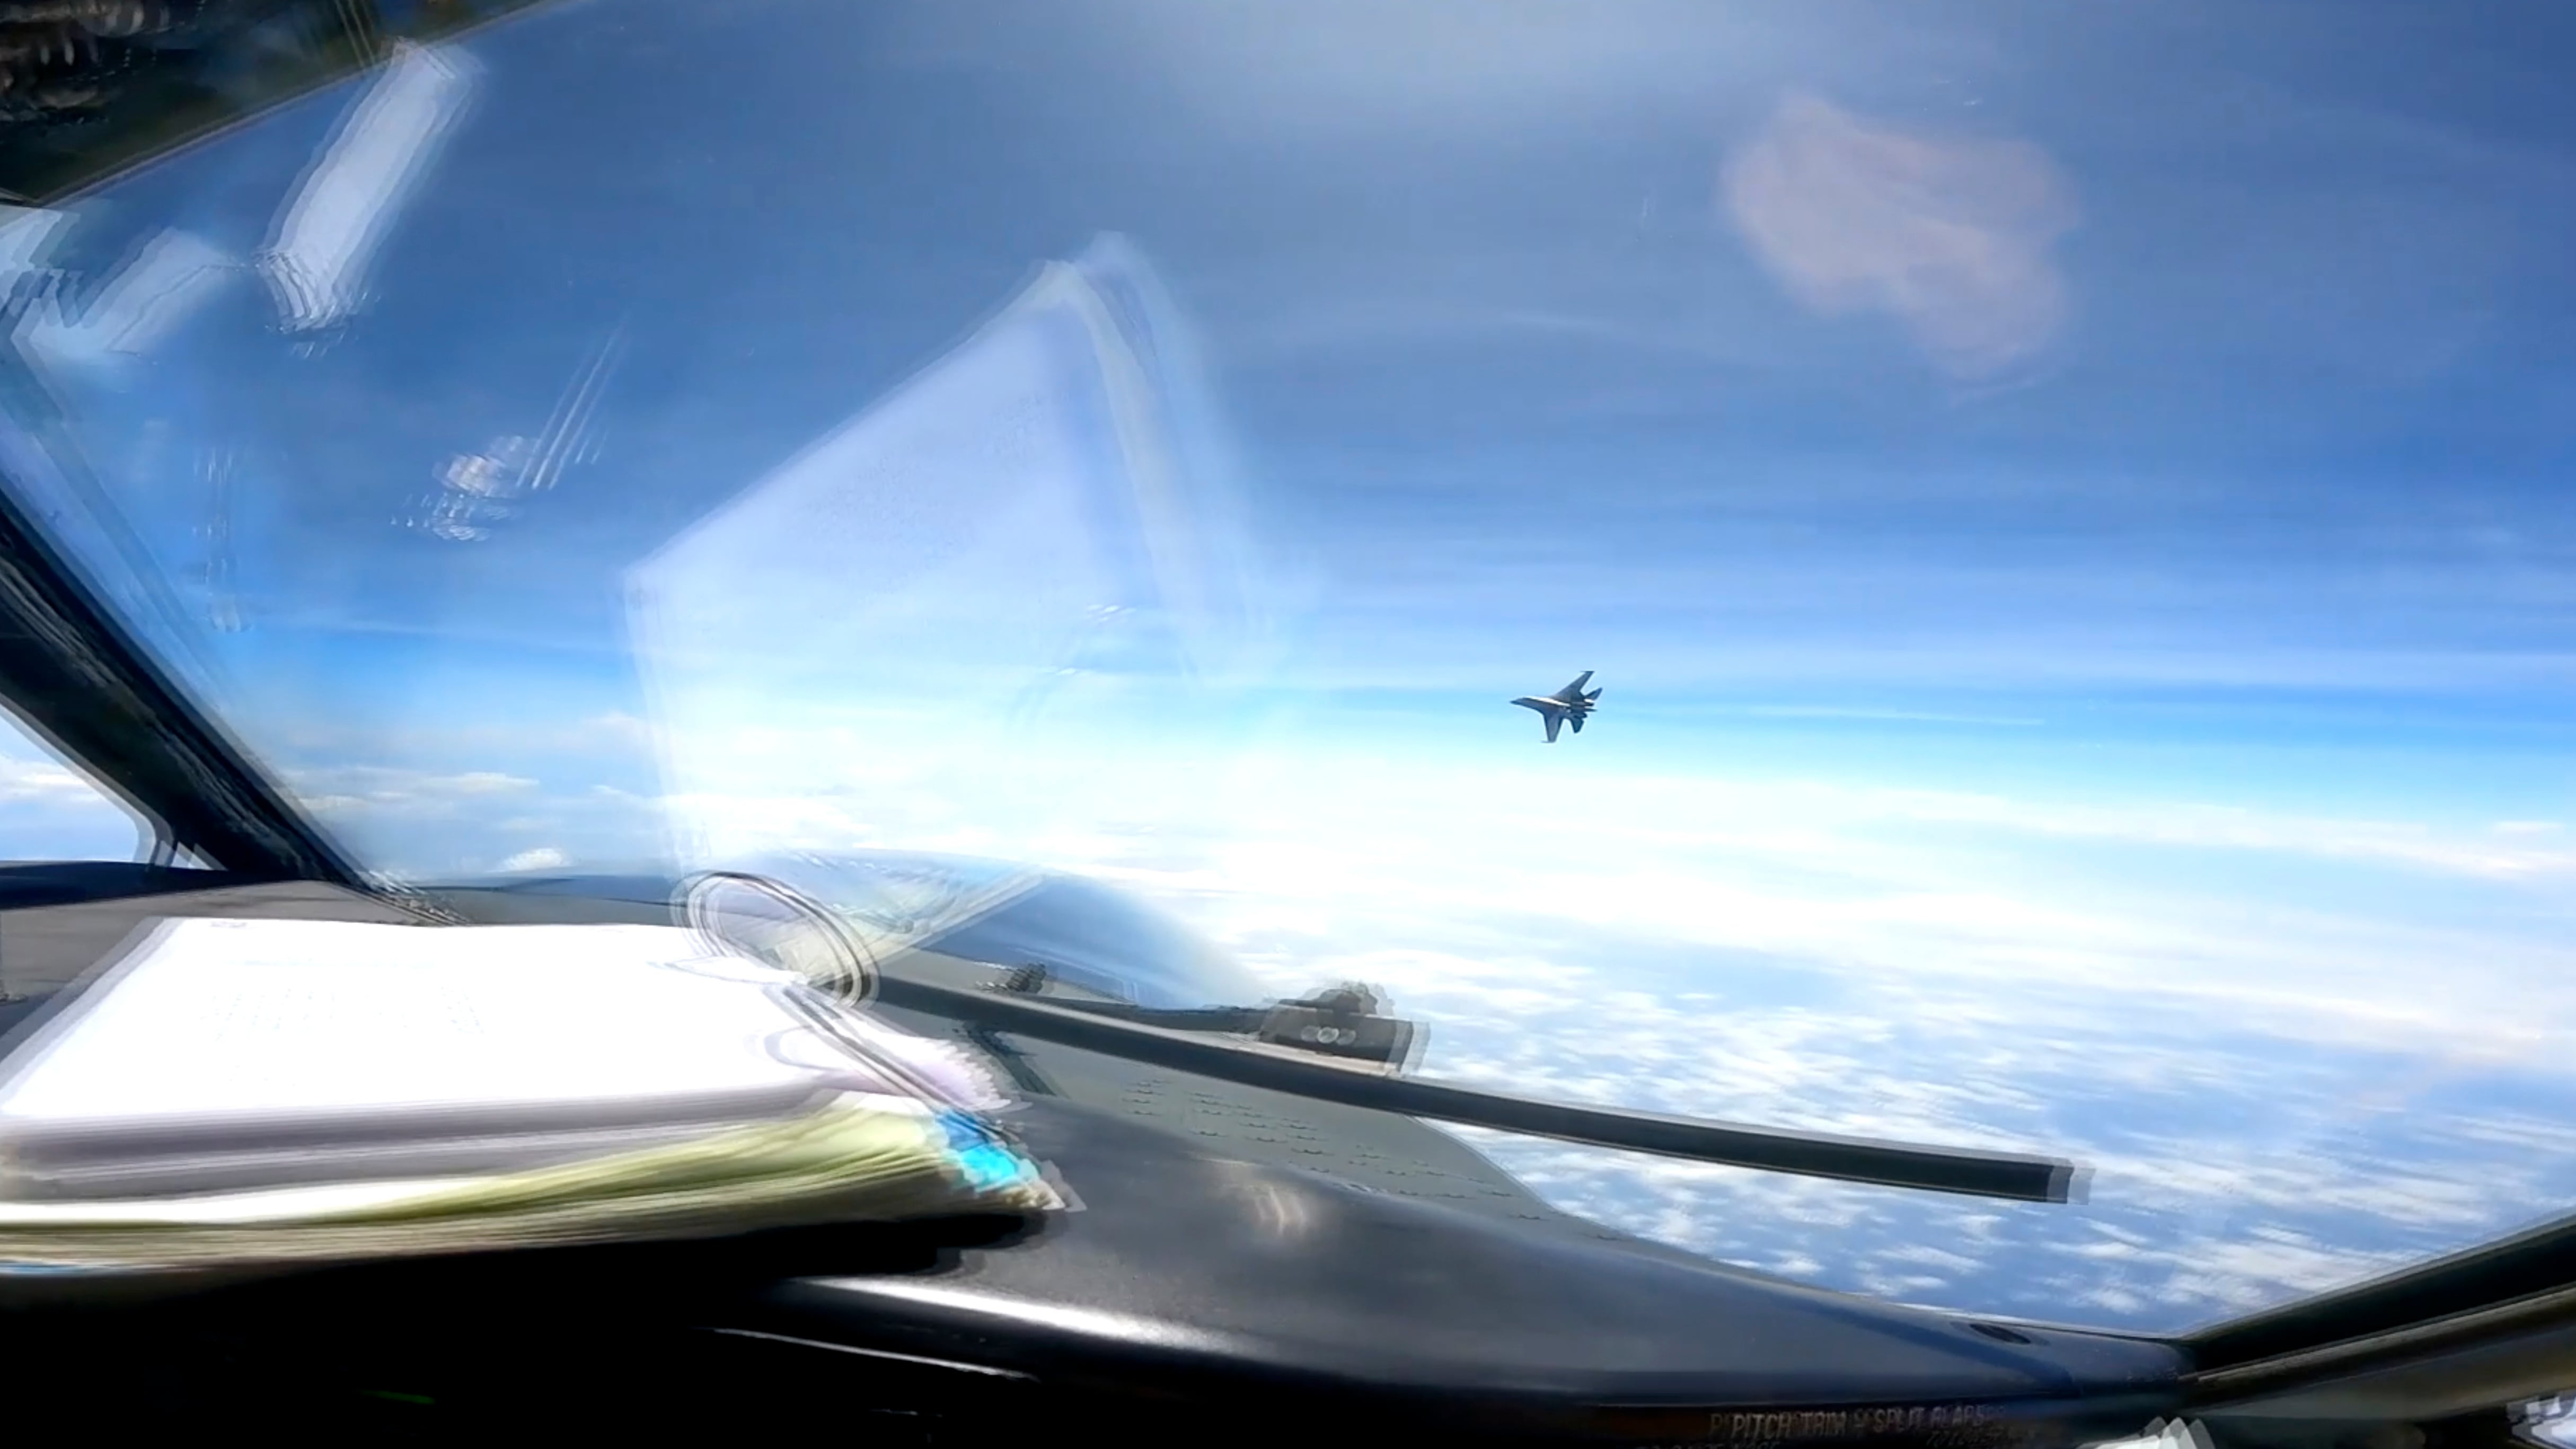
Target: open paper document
{"points": [[235, 1076]]}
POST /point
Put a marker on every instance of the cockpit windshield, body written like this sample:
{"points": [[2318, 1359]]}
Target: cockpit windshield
{"points": [[2054, 517]]}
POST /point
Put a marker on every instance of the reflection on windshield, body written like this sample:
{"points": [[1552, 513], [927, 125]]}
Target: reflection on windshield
{"points": [[1082, 932], [1016, 539], [2065, 505], [1090, 936]]}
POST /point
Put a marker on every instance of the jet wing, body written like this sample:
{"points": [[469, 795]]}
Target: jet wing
{"points": [[1548, 710], [1574, 691]]}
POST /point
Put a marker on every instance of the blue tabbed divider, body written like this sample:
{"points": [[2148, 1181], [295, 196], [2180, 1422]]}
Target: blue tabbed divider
{"points": [[987, 1161]]}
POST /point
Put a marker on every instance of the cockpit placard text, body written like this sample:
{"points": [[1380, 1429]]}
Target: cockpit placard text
{"points": [[1917, 1426]]}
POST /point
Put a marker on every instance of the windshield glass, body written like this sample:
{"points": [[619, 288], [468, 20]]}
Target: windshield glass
{"points": [[2062, 507], [1080, 932]]}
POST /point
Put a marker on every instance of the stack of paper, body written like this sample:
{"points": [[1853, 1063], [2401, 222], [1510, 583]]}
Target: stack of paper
{"points": [[248, 1091]]}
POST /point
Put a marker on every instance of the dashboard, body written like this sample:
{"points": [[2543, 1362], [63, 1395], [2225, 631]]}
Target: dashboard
{"points": [[1343, 1278]]}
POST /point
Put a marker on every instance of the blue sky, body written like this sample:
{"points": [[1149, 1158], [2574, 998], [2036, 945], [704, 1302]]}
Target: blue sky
{"points": [[2066, 507]]}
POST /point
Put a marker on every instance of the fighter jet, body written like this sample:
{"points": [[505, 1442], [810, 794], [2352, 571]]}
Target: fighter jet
{"points": [[1569, 703]]}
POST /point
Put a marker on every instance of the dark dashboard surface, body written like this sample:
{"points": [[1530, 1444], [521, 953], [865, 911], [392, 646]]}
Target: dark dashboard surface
{"points": [[1216, 1263], [1190, 1297]]}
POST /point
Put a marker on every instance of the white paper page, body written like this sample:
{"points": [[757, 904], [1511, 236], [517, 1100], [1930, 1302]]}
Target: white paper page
{"points": [[231, 1019]]}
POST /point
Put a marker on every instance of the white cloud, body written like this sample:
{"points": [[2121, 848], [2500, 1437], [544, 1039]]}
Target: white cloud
{"points": [[333, 805], [612, 733], [1907, 890], [29, 780], [2270, 1194], [618, 726], [2464, 852], [393, 787], [542, 858], [51, 812]]}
